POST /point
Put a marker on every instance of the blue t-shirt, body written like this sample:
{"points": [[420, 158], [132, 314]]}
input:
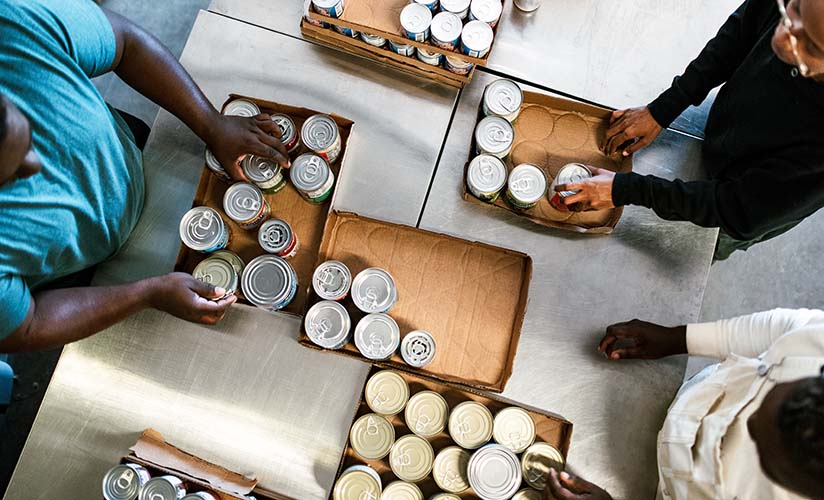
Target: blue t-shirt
{"points": [[81, 208]]}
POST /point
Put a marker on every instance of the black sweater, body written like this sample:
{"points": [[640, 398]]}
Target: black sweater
{"points": [[764, 145]]}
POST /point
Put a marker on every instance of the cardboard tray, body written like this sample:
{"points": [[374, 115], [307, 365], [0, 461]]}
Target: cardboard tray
{"points": [[470, 296], [551, 132], [550, 428], [307, 219]]}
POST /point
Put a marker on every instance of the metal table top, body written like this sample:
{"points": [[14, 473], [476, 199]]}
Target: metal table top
{"points": [[648, 268]]}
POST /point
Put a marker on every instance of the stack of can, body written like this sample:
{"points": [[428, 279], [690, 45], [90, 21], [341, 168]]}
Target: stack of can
{"points": [[214, 165], [131, 481]]}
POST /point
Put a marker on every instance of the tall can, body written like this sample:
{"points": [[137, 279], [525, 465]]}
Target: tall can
{"points": [[123, 482], [312, 177], [486, 177], [264, 173], [457, 65], [429, 4], [487, 11], [373, 40], [446, 30], [163, 488], [402, 49], [241, 107], [476, 39], [494, 472], [330, 8], [332, 280], [416, 21], [288, 132], [570, 173], [244, 203], [503, 98], [203, 230], [320, 134], [430, 57], [374, 291], [377, 336], [276, 236], [458, 7], [218, 273], [327, 324], [215, 166], [269, 282], [526, 186], [494, 136]]}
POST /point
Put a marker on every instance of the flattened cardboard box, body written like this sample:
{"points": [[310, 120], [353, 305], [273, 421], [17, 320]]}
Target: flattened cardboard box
{"points": [[307, 219], [549, 133], [470, 296]]}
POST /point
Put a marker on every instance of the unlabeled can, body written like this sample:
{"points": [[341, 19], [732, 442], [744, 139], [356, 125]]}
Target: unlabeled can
{"points": [[312, 177], [570, 173], [332, 280], [486, 177], [450, 469], [536, 462], [320, 134], [402, 49], [346, 31], [426, 414], [401, 490], [276, 236], [356, 484], [411, 458], [416, 21], [123, 482], [430, 57], [487, 11], [331, 8], [503, 98], [494, 473], [527, 5], [476, 39], [327, 324], [514, 428], [372, 436], [386, 393], [215, 166], [288, 132], [200, 495], [429, 4], [232, 258], [374, 291], [269, 282], [241, 107], [244, 203], [526, 186], [457, 65], [494, 136], [203, 230], [528, 494], [446, 30], [418, 348], [458, 7], [470, 425], [218, 273], [264, 173], [374, 40], [163, 488], [377, 336]]}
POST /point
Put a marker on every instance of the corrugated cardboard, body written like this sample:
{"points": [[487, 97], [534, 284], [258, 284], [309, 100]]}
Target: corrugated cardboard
{"points": [[307, 219], [470, 296], [550, 428], [551, 132]]}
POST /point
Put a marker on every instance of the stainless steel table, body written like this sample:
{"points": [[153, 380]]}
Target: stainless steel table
{"points": [[648, 268]]}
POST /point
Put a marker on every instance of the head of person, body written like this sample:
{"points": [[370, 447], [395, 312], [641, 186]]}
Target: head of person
{"points": [[788, 430], [17, 157], [799, 37]]}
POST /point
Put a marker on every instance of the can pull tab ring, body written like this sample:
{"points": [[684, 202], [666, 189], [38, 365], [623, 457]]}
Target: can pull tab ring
{"points": [[204, 225], [248, 203]]}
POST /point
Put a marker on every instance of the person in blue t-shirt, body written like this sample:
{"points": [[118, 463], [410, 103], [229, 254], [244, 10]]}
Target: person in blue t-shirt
{"points": [[71, 177]]}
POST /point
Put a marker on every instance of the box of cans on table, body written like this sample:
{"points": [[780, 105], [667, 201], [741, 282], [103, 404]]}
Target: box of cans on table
{"points": [[525, 144], [409, 299], [418, 439], [444, 40], [259, 239]]}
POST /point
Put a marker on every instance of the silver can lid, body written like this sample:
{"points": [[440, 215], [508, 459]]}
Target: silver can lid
{"points": [[309, 172], [212, 162], [527, 183], [416, 18], [331, 280], [487, 11], [162, 488], [319, 132], [286, 126], [267, 280], [241, 107], [232, 258], [494, 134], [275, 235], [456, 6], [374, 290], [503, 97], [377, 336], [446, 26], [217, 272], [494, 472], [486, 174], [259, 169], [200, 495], [570, 174], [327, 324], [201, 227], [418, 348], [477, 36], [123, 482], [242, 201]]}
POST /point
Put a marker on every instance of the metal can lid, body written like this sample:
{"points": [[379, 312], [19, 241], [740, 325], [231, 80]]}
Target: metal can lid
{"points": [[309, 172], [364, 468], [372, 436], [411, 458], [416, 18], [477, 36], [162, 488], [402, 490], [450, 469], [241, 107], [374, 290], [446, 26], [232, 258], [486, 174], [267, 280], [356, 485], [400, 46], [457, 62], [536, 462], [470, 425], [212, 162], [319, 132], [487, 11], [377, 336], [386, 393], [327, 324], [570, 174], [456, 6], [201, 227], [123, 482], [200, 495], [428, 53], [418, 348], [503, 97], [259, 169], [444, 496], [528, 494], [275, 235], [494, 134], [494, 472], [288, 131], [331, 280], [217, 272], [514, 428], [527, 183], [426, 414], [373, 38], [242, 201]]}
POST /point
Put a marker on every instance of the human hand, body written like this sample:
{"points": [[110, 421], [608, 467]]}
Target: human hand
{"points": [[643, 340], [181, 295], [565, 486], [594, 193], [232, 137], [625, 125]]}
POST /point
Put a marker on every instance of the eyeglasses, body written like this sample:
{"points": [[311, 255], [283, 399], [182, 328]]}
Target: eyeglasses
{"points": [[788, 24]]}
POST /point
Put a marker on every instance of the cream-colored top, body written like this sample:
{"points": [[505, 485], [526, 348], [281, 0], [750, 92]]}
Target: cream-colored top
{"points": [[704, 449]]}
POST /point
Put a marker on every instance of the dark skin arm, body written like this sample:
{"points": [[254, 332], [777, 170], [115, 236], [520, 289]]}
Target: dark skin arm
{"points": [[565, 486], [642, 340]]}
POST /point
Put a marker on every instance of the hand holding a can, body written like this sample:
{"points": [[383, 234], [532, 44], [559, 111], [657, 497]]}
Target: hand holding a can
{"points": [[642, 340], [181, 295], [231, 138], [594, 193], [630, 130], [565, 486]]}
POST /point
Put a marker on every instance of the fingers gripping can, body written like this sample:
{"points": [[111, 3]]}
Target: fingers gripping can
{"points": [[266, 174], [503, 98], [288, 132], [486, 177], [241, 107], [217, 272], [312, 177], [331, 8], [163, 488], [446, 30], [569, 174], [536, 462], [123, 482], [494, 136], [276, 236], [476, 39], [320, 134], [244, 203], [327, 324], [526, 185], [269, 282], [202, 230], [332, 280], [416, 21], [215, 166]]}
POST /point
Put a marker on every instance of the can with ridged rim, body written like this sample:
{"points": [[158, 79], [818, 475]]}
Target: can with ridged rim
{"points": [[494, 472], [426, 414], [444, 496], [528, 494], [486, 177], [446, 30], [386, 393], [450, 469], [430, 57], [163, 488], [215, 166], [377, 336], [241, 107], [402, 490], [331, 8], [476, 39], [276, 236], [418, 348], [203, 230], [503, 98], [289, 136], [470, 425], [269, 282], [332, 280], [494, 136], [374, 291], [569, 174], [488, 11], [200, 495], [411, 458], [526, 186], [536, 462], [429, 4], [327, 324], [514, 428], [218, 273], [264, 173], [416, 20], [312, 177], [373, 40], [458, 7], [402, 49], [232, 258], [372, 436], [123, 482], [358, 482], [346, 31], [320, 134], [244, 203]]}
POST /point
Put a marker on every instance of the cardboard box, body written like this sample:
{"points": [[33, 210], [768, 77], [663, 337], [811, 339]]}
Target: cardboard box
{"points": [[550, 428], [551, 132], [472, 297], [307, 219]]}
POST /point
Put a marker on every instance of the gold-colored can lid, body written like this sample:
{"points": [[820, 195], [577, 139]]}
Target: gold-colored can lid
{"points": [[444, 496], [470, 425], [402, 490], [387, 393], [356, 485], [411, 458], [372, 436], [528, 494], [426, 414], [450, 469], [536, 462], [514, 428]]}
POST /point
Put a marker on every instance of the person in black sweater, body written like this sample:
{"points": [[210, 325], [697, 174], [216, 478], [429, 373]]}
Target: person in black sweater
{"points": [[764, 144]]}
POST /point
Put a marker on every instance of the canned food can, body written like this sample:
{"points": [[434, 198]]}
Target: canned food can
{"points": [[123, 482], [418, 348], [330, 8], [526, 185], [364, 468], [269, 282], [377, 336], [429, 4], [570, 173], [476, 39], [450, 469], [203, 230], [536, 462], [232, 258], [426, 414], [430, 57], [265, 174], [411, 458], [514, 428], [527, 5], [217, 272], [244, 203], [288, 132], [332, 280], [503, 98], [486, 177], [320, 134], [416, 21], [402, 49], [241, 107], [315, 22], [276, 236], [494, 136], [200, 495], [163, 488], [494, 472], [375, 41], [215, 166], [528, 494], [327, 324], [372, 436], [343, 30], [446, 30], [457, 65], [470, 425], [374, 291], [312, 177], [402, 490], [357, 484], [444, 496], [458, 7], [487, 11], [386, 393]]}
